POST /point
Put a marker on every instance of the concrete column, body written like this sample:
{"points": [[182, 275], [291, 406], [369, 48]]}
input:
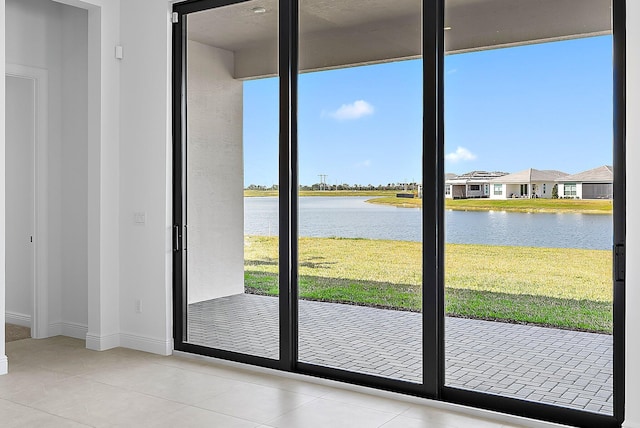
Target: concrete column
{"points": [[215, 200]]}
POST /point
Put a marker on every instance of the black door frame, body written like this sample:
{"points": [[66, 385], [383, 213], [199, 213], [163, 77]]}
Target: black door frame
{"points": [[433, 386]]}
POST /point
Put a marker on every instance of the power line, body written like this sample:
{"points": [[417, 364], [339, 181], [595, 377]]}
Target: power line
{"points": [[323, 181]]}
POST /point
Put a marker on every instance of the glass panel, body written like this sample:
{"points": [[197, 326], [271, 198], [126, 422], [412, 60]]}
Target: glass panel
{"points": [[528, 283], [232, 179], [360, 155]]}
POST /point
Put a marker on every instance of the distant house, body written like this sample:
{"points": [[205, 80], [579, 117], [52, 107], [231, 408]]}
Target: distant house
{"points": [[474, 184], [447, 187], [530, 183], [596, 183]]}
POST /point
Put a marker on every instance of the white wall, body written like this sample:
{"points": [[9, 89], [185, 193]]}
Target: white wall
{"points": [[3, 358], [145, 251], [561, 190], [509, 189], [74, 171], [103, 255], [539, 186], [53, 37], [215, 204], [633, 224]]}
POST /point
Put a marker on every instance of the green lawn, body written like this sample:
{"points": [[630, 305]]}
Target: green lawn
{"points": [[514, 205], [388, 197], [397, 202], [566, 288], [533, 205]]}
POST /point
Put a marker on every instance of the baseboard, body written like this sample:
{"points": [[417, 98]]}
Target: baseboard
{"points": [[131, 341], [95, 342], [146, 344], [4, 365], [70, 329], [17, 319], [102, 343], [60, 328]]}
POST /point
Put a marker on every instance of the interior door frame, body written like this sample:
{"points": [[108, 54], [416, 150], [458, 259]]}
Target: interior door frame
{"points": [[39, 293]]}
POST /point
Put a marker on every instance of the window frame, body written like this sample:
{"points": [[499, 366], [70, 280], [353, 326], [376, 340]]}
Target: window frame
{"points": [[433, 180], [572, 187]]}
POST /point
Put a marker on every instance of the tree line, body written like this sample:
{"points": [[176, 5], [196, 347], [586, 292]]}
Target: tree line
{"points": [[344, 186]]}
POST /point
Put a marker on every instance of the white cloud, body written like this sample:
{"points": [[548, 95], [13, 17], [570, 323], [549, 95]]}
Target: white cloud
{"points": [[364, 164], [461, 154], [352, 111]]}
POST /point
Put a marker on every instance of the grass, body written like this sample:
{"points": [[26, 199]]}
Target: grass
{"points": [[397, 202], [564, 288], [388, 197], [513, 205]]}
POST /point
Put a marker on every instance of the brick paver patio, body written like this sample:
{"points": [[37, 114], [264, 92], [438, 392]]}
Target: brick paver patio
{"points": [[567, 368]]}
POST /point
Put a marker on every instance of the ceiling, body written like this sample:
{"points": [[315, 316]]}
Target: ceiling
{"points": [[342, 33]]}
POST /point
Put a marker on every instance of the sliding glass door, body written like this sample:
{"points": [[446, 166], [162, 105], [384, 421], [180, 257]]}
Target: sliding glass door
{"points": [[359, 202], [529, 236], [409, 195], [230, 235]]}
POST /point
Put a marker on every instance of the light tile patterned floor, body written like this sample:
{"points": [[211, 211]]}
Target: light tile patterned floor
{"points": [[567, 368], [56, 382]]}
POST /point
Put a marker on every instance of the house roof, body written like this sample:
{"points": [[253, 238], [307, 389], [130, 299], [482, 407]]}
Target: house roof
{"points": [[475, 176], [531, 175], [601, 174]]}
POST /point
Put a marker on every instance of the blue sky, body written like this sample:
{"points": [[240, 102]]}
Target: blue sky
{"points": [[546, 106]]}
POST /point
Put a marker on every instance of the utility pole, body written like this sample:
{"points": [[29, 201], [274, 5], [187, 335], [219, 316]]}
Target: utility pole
{"points": [[323, 181]]}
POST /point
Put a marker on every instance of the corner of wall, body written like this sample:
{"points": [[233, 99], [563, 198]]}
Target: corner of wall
{"points": [[145, 250], [146, 344], [3, 358], [125, 340], [102, 343], [4, 364], [23, 320], [69, 329]]}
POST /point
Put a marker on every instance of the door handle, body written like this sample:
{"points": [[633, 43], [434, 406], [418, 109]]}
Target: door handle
{"points": [[176, 237]]}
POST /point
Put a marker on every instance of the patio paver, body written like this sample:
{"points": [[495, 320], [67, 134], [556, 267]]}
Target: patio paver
{"points": [[567, 368]]}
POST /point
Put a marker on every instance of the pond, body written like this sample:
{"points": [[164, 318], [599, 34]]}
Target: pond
{"points": [[352, 217]]}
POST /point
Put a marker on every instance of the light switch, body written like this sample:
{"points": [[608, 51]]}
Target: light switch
{"points": [[139, 218]]}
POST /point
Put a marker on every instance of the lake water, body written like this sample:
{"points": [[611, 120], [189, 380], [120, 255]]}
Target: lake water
{"points": [[352, 217]]}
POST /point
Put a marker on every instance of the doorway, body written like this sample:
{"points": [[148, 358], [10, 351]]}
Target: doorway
{"points": [[26, 195], [20, 197]]}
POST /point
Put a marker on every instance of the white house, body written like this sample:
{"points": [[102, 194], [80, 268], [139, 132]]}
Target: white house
{"points": [[530, 183], [596, 183], [474, 184]]}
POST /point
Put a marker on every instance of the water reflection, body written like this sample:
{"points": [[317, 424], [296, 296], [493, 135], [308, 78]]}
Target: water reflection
{"points": [[352, 217]]}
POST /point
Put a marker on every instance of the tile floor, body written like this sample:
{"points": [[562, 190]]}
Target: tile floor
{"points": [[56, 382]]}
